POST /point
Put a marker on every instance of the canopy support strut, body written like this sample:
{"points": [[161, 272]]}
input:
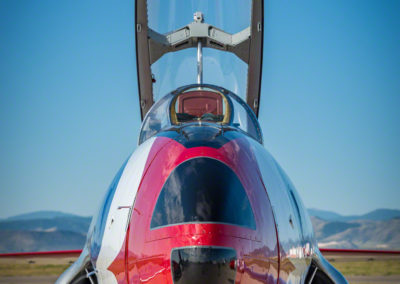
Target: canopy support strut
{"points": [[199, 63], [199, 18]]}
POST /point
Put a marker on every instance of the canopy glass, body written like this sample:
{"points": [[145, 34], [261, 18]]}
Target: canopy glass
{"points": [[219, 68], [192, 105], [231, 16], [182, 42]]}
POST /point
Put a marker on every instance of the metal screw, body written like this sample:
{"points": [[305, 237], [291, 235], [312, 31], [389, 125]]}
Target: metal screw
{"points": [[198, 17]]}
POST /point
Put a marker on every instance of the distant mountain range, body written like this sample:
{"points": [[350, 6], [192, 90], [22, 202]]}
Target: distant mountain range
{"points": [[40, 215], [53, 230], [376, 215], [379, 229], [43, 231]]}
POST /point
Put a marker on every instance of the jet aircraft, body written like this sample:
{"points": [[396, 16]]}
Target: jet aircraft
{"points": [[200, 200]]}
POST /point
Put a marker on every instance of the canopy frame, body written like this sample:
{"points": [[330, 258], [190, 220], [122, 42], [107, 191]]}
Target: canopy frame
{"points": [[151, 46]]}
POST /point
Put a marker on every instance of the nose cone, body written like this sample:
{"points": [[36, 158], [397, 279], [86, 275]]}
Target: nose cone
{"points": [[201, 215]]}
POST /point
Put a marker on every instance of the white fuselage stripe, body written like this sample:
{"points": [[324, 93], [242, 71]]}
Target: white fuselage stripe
{"points": [[116, 224]]}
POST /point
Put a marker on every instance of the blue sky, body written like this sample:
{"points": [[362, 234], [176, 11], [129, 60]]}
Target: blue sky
{"points": [[69, 113]]}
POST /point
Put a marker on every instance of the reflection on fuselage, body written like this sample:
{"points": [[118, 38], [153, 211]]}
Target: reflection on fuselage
{"points": [[202, 201]]}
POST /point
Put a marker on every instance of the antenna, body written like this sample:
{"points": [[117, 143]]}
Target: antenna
{"points": [[199, 18]]}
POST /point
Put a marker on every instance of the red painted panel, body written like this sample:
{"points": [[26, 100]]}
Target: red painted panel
{"points": [[148, 251]]}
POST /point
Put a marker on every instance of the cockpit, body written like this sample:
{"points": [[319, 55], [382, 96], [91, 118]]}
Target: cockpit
{"points": [[199, 104]]}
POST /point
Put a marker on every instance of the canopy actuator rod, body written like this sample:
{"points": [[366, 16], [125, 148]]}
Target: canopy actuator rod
{"points": [[199, 18], [199, 63]]}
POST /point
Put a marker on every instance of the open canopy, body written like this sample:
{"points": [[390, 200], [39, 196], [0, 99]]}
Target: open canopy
{"points": [[182, 42]]}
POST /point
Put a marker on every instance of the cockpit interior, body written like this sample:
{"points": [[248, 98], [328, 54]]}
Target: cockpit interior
{"points": [[199, 104]]}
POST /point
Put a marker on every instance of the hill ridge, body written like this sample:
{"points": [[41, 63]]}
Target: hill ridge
{"points": [[36, 231]]}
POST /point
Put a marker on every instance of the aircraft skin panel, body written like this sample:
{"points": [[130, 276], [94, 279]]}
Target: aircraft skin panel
{"points": [[279, 248], [98, 224], [149, 250], [295, 252], [117, 219], [200, 193]]}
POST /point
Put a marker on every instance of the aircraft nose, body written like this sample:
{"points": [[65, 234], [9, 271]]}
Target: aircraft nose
{"points": [[207, 220], [203, 265]]}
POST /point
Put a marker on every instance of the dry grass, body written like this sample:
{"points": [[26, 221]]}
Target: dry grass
{"points": [[31, 269], [368, 268], [347, 266]]}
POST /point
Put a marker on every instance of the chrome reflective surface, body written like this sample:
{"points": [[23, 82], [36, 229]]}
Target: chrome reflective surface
{"points": [[203, 265], [75, 269], [296, 243]]}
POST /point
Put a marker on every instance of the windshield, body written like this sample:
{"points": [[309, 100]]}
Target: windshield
{"points": [[244, 119], [221, 68], [156, 119], [197, 104]]}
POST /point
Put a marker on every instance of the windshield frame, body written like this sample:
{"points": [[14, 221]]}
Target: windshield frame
{"points": [[246, 44], [166, 103]]}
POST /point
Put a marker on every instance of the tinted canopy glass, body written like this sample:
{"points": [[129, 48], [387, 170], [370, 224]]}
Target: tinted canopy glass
{"points": [[203, 190]]}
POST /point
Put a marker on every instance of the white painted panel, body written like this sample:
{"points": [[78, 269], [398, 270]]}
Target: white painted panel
{"points": [[125, 194]]}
